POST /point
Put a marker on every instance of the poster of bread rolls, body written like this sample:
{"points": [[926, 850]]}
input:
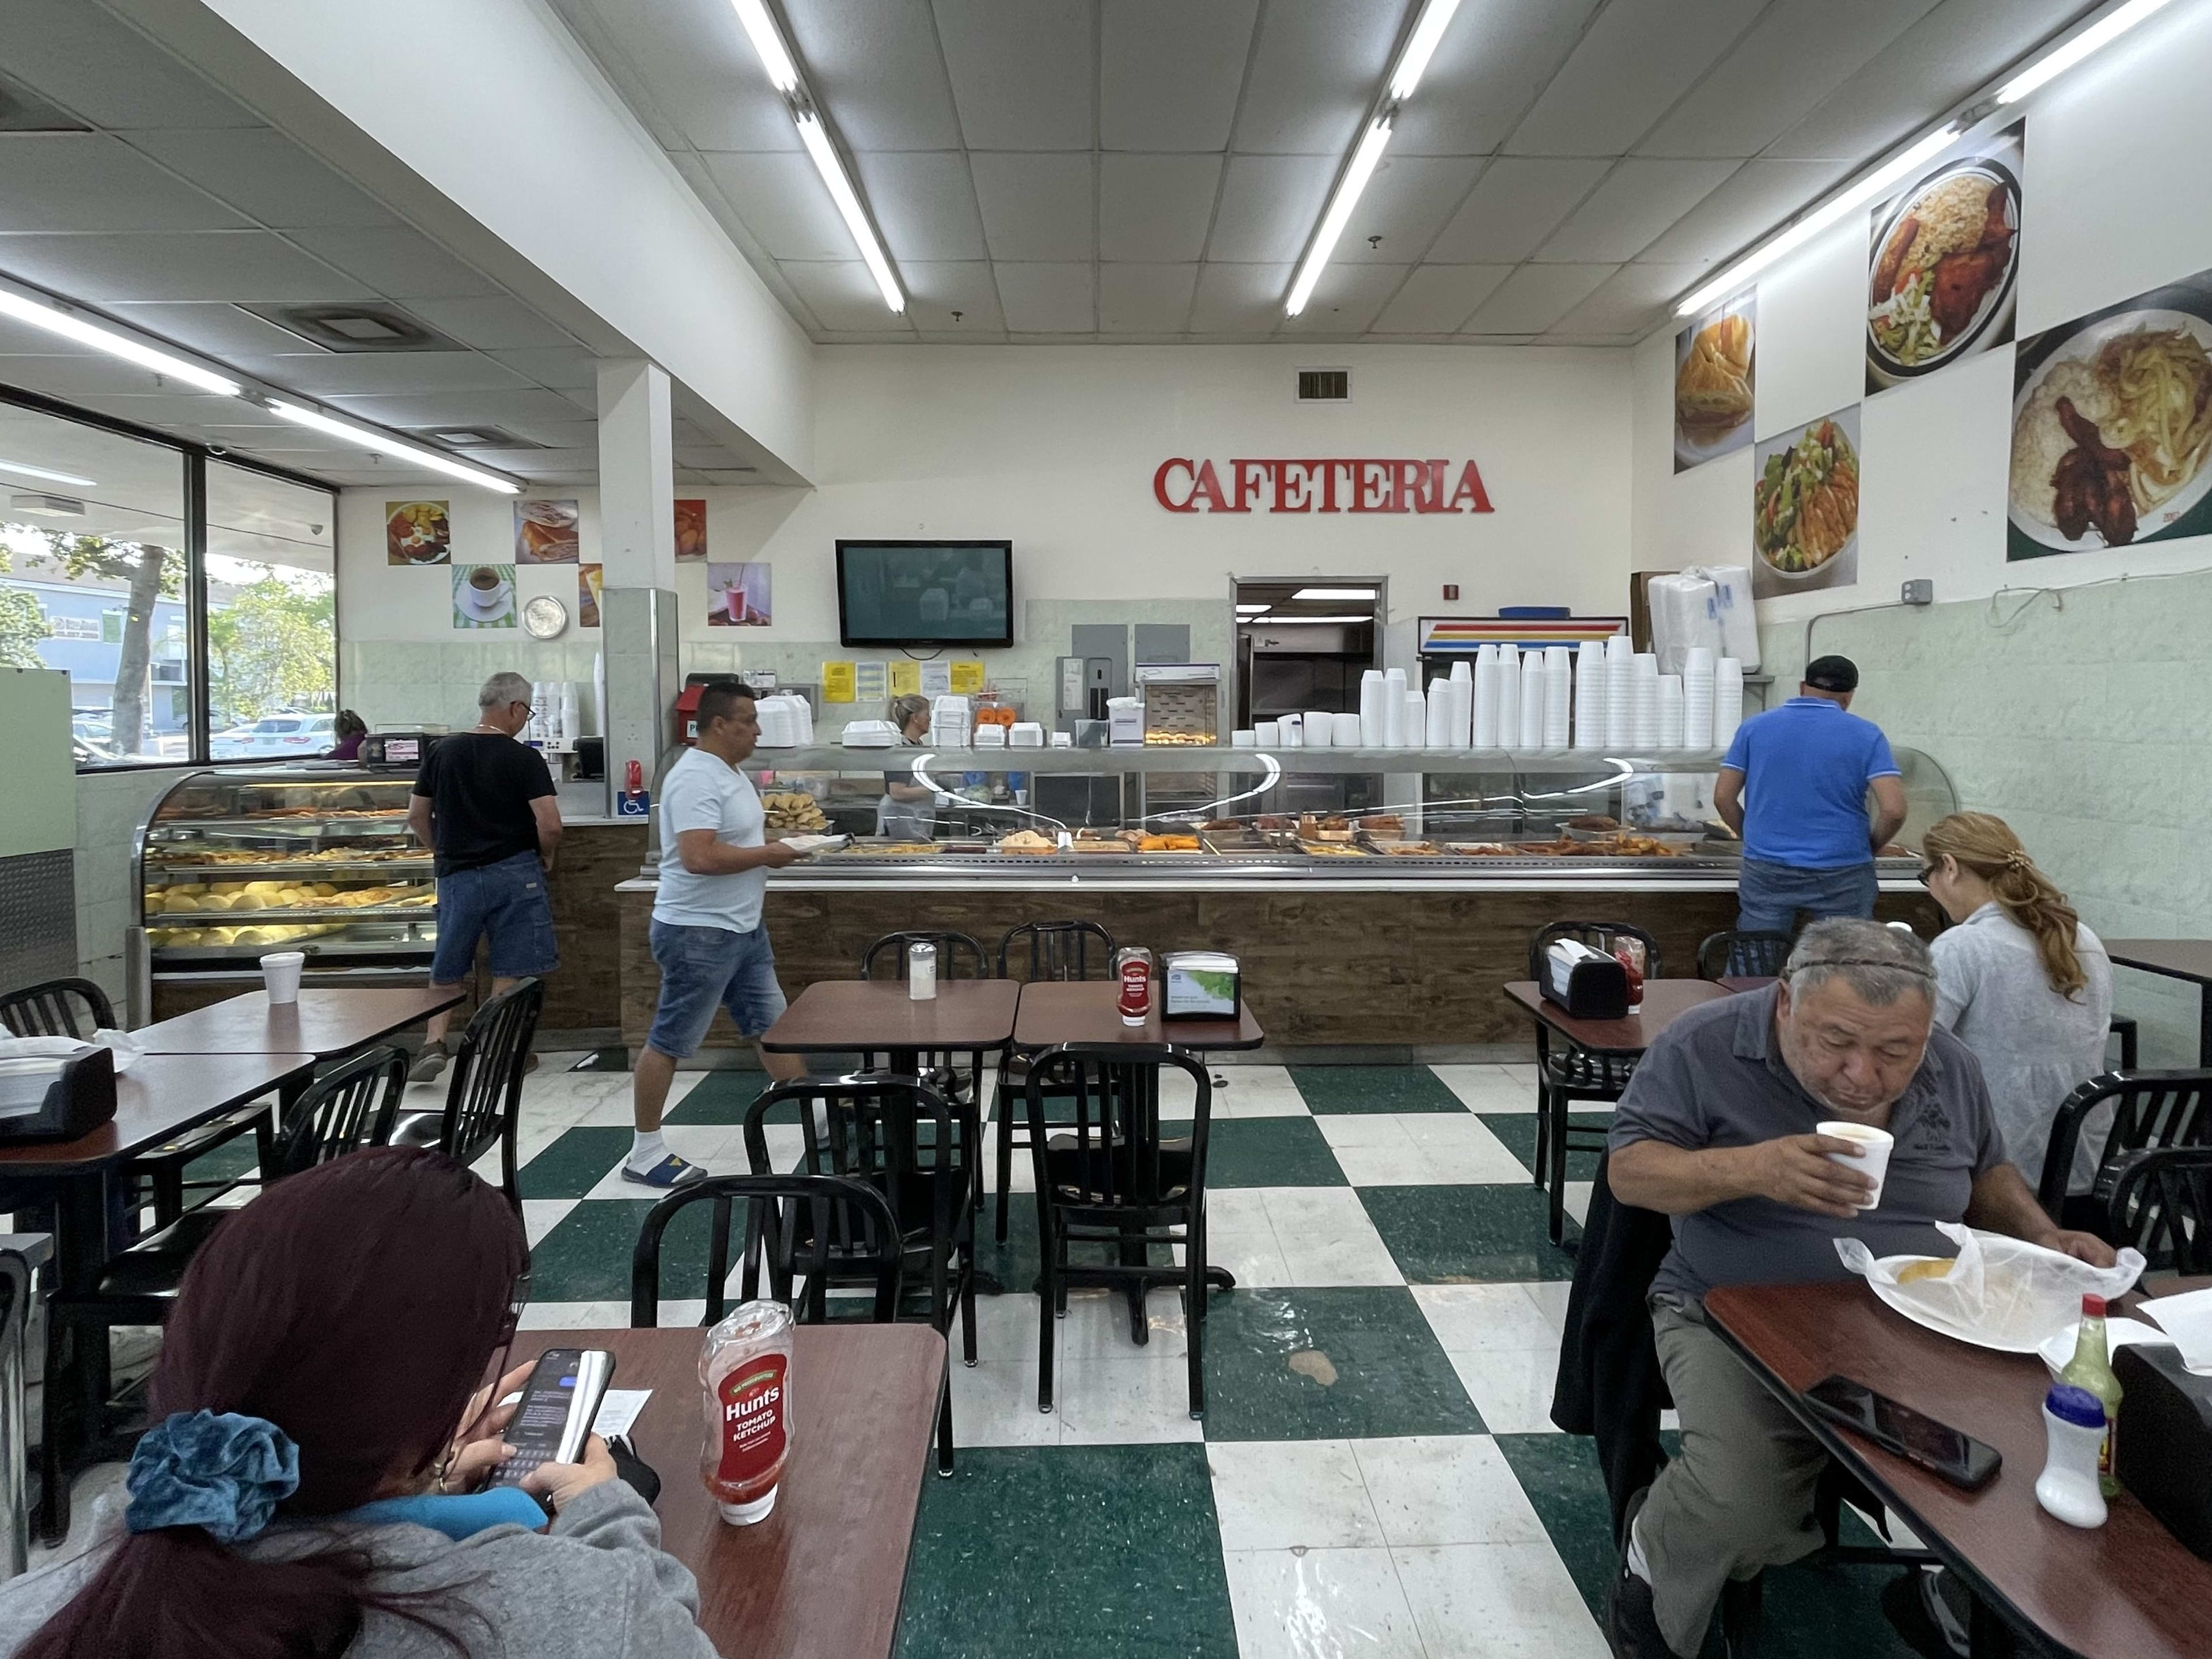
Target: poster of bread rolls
{"points": [[1716, 364]]}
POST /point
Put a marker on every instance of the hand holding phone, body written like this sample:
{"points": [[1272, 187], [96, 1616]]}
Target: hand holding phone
{"points": [[1936, 1447], [558, 1406]]}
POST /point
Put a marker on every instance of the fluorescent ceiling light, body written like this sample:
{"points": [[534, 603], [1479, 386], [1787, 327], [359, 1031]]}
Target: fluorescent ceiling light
{"points": [[2063, 57], [1333, 593], [384, 443], [1284, 622], [71, 326], [44, 472], [767, 43], [1420, 48], [815, 138], [1794, 236], [1252, 610], [1332, 222]]}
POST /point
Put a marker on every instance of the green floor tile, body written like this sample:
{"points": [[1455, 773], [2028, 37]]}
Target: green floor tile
{"points": [[1560, 1473], [1374, 1089], [1268, 1151], [721, 1096], [1469, 1235], [1327, 1364], [1518, 1131], [1105, 1552], [225, 1163], [574, 1163], [586, 1257]]}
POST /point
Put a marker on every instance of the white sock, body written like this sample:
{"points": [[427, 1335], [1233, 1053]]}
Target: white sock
{"points": [[647, 1149], [1637, 1563]]}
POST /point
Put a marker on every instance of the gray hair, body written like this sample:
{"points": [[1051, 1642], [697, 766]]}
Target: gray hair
{"points": [[504, 687], [1878, 963]]}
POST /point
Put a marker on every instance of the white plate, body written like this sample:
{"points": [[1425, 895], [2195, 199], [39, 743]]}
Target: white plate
{"points": [[486, 607], [2079, 348], [1890, 1294], [2059, 1347]]}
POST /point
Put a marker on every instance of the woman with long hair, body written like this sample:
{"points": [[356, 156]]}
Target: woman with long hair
{"points": [[320, 1414], [2020, 981]]}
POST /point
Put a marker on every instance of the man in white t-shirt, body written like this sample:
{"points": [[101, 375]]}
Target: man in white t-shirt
{"points": [[707, 937]]}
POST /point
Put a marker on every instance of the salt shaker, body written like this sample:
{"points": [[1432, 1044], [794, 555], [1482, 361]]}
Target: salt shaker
{"points": [[922, 971], [2074, 1426]]}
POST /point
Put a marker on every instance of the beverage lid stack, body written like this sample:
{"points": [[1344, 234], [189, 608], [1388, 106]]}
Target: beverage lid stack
{"points": [[1348, 732], [1317, 730], [1728, 701], [1482, 727], [1373, 726], [1698, 688], [1531, 700], [1644, 694], [1559, 697], [1671, 719], [1589, 696]]}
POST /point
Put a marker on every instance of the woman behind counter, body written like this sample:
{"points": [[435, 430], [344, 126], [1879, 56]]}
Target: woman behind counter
{"points": [[2020, 981], [905, 813]]}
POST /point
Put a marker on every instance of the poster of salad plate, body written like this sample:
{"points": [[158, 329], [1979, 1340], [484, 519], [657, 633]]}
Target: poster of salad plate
{"points": [[1805, 508], [1943, 263]]}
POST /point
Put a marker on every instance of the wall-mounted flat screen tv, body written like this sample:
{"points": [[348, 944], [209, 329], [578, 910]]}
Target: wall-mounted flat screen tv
{"points": [[908, 593]]}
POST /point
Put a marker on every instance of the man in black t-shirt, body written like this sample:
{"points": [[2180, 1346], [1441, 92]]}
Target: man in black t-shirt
{"points": [[485, 803]]}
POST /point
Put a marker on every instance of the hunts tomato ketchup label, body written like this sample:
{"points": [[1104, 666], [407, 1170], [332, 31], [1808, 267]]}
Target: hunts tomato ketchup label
{"points": [[751, 1398]]}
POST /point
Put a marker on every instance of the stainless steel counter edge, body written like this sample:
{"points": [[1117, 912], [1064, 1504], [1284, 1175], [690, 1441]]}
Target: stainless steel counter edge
{"points": [[1578, 881]]}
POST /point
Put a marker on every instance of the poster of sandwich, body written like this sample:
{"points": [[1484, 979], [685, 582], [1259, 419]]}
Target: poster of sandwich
{"points": [[546, 532], [1715, 369], [1805, 508], [1943, 265], [2112, 426]]}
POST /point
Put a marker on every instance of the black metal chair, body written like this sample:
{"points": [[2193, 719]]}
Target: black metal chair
{"points": [[1568, 1074], [1734, 953], [2149, 1111], [845, 1219], [2124, 1027], [57, 1007], [2161, 1203], [903, 1137], [483, 1085], [1048, 950], [1107, 1180]]}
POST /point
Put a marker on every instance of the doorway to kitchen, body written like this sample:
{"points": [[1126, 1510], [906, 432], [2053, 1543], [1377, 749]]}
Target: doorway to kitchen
{"points": [[1302, 644]]}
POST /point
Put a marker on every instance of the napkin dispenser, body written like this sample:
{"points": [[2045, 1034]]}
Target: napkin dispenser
{"points": [[1587, 983], [1200, 985], [2162, 1449], [78, 1100]]}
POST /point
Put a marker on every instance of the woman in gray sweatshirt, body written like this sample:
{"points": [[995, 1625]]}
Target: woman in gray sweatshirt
{"points": [[319, 1427]]}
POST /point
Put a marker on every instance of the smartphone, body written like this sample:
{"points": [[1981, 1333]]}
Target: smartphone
{"points": [[554, 1416], [1936, 1447]]}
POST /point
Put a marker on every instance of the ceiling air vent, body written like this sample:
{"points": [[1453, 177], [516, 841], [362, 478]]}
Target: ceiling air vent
{"points": [[375, 326], [475, 437], [1324, 385]]}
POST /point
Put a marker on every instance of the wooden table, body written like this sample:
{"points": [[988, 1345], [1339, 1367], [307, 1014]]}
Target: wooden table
{"points": [[326, 1023], [1737, 984], [824, 1573], [2127, 1590], [2189, 959], [1090, 1011], [840, 1016]]}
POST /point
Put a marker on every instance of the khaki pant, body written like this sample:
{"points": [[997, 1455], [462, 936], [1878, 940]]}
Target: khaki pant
{"points": [[1740, 1498]]}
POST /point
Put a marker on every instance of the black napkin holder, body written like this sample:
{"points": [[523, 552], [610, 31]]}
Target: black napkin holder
{"points": [[2162, 1447], [76, 1102], [1588, 985]]}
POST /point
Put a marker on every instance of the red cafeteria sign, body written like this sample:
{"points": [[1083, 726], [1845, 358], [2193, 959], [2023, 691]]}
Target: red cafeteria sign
{"points": [[1183, 485]]}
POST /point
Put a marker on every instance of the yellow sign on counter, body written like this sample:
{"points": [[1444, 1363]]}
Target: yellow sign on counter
{"points": [[967, 678], [906, 676], [837, 682]]}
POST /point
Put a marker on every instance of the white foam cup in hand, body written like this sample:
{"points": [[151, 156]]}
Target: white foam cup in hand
{"points": [[280, 972], [1873, 1147]]}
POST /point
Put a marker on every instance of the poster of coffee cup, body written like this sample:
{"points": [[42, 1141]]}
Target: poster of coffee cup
{"points": [[589, 578], [737, 595], [545, 532], [484, 596], [691, 531], [417, 532]]}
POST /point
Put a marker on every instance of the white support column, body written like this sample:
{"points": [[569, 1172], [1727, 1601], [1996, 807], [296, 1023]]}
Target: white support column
{"points": [[637, 544]]}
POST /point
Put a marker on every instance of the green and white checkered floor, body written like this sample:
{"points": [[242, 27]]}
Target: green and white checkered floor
{"points": [[1376, 1473]]}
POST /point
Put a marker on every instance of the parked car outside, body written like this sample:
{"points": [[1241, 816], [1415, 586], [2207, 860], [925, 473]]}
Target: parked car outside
{"points": [[295, 735]]}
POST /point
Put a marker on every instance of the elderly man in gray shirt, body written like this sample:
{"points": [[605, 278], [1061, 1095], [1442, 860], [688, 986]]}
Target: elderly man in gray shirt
{"points": [[1716, 1130]]}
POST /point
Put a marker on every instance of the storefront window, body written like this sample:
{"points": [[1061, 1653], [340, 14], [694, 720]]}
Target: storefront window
{"points": [[272, 615]]}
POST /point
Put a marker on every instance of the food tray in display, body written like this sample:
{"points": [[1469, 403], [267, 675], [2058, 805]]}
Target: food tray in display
{"points": [[175, 873], [1996, 301]]}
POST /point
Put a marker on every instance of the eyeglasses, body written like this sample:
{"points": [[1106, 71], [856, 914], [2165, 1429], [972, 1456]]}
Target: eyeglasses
{"points": [[1926, 875]]}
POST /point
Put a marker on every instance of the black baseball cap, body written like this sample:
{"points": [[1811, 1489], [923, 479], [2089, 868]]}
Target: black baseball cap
{"points": [[1837, 674]]}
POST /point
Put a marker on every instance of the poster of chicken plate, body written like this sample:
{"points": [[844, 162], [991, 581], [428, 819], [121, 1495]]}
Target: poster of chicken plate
{"points": [[2112, 426], [1943, 265]]}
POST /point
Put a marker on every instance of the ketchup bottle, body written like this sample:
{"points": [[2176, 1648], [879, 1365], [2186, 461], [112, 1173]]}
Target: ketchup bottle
{"points": [[1133, 968], [744, 1371]]}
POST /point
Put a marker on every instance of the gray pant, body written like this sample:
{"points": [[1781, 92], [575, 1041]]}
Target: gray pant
{"points": [[1740, 1498], [1768, 897]]}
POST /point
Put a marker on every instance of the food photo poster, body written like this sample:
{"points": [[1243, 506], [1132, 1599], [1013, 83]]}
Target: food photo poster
{"points": [[2112, 426], [1943, 265], [417, 532], [546, 532], [737, 595], [484, 596], [1805, 508], [691, 529], [590, 577], [1715, 371]]}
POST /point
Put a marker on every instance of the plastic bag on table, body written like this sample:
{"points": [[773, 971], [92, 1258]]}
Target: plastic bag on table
{"points": [[2000, 1292]]}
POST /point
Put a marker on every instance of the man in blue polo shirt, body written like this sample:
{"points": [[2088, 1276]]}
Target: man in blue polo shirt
{"points": [[1794, 786]]}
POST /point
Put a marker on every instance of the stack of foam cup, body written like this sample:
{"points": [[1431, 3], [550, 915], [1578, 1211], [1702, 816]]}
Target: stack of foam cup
{"points": [[1589, 696], [1317, 730], [1697, 680], [1559, 697], [1644, 704], [1482, 727], [1461, 729], [1728, 701], [1619, 694], [1394, 712], [1372, 727], [1289, 735], [1414, 727], [1438, 734], [1671, 714], [1508, 697], [1532, 700]]}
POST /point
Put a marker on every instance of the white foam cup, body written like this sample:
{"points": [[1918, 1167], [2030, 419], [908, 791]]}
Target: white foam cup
{"points": [[280, 972], [1873, 1144]]}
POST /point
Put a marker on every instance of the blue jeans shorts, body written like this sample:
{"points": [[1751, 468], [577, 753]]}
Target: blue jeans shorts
{"points": [[1769, 896], [703, 969], [505, 902]]}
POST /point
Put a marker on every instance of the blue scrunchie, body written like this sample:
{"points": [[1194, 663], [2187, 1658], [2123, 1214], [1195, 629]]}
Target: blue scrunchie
{"points": [[219, 1470]]}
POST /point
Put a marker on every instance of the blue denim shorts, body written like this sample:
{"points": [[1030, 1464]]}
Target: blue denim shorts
{"points": [[703, 969], [1769, 896], [505, 902]]}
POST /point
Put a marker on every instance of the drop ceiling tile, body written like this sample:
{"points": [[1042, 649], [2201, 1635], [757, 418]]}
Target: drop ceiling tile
{"points": [[1145, 299], [1346, 299], [1405, 203], [88, 181], [1636, 201], [1269, 206], [494, 324], [519, 410], [878, 70], [1240, 299], [1635, 61], [1035, 207], [1437, 299], [366, 374], [1796, 55], [1022, 74], [64, 375], [1156, 208], [1754, 199], [1488, 68], [1047, 298], [1534, 297], [935, 289], [249, 266], [1514, 206], [1171, 72], [83, 57], [701, 70], [783, 203], [396, 261], [842, 296], [924, 204], [565, 368], [1314, 74], [171, 411], [1633, 301], [213, 326], [265, 175]]}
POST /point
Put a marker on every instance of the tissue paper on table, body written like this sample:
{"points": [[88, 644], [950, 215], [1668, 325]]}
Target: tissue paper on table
{"points": [[42, 1047], [2188, 1320], [2000, 1292]]}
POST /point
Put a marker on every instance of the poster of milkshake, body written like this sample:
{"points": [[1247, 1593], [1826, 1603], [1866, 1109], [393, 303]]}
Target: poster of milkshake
{"points": [[738, 596]]}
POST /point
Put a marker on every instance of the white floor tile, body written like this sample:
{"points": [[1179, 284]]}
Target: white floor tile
{"points": [[1574, 1199], [1285, 1494], [1326, 1238], [1490, 1088], [1511, 1387], [1497, 1601], [1446, 1489], [1006, 1329], [540, 1216], [1551, 1295], [1097, 1327], [1125, 1401], [1320, 1604], [593, 1315], [1525, 1075], [1467, 1317], [1021, 1170], [1258, 1091], [994, 1404], [1239, 1237], [1418, 1149]]}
